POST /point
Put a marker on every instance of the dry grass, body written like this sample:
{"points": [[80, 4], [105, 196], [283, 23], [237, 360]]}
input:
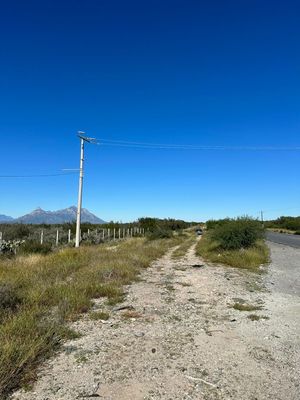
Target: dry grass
{"points": [[54, 289], [250, 258], [246, 307], [99, 315]]}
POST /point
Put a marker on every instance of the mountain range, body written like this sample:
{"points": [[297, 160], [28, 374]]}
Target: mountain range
{"points": [[5, 218], [40, 216]]}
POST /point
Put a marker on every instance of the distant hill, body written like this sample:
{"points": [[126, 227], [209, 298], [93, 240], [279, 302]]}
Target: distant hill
{"points": [[40, 216], [5, 218]]}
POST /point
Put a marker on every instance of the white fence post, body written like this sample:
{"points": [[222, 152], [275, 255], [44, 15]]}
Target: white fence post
{"points": [[114, 233], [88, 232], [57, 237], [42, 237], [69, 236], [119, 233], [108, 233]]}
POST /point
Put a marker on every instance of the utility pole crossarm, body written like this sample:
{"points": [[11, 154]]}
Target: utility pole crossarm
{"points": [[82, 136]]}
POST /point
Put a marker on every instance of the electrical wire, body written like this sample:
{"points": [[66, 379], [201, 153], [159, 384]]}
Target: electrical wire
{"points": [[36, 175], [145, 145]]}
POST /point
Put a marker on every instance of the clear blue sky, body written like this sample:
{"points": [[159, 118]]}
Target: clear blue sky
{"points": [[195, 72]]}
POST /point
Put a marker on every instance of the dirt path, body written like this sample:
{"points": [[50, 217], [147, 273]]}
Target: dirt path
{"points": [[182, 341]]}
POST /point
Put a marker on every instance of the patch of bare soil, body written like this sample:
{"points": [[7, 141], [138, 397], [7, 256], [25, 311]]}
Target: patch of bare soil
{"points": [[176, 336]]}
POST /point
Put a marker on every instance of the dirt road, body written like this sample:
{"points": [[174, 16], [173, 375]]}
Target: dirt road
{"points": [[180, 339]]}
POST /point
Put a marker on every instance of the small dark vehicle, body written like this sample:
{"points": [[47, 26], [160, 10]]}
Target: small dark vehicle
{"points": [[199, 232]]}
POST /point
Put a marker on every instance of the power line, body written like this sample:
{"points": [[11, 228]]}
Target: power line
{"points": [[37, 175], [123, 143]]}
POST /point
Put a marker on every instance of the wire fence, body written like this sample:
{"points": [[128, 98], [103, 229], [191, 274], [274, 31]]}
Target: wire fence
{"points": [[60, 237]]}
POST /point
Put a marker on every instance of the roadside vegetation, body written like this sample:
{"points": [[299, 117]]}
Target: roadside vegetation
{"points": [[235, 242], [40, 294], [26, 238], [18, 231], [285, 225]]}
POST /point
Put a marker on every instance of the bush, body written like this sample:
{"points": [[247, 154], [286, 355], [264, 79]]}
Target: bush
{"points": [[154, 224], [289, 223], [31, 246], [214, 223], [238, 233], [160, 234], [15, 231]]}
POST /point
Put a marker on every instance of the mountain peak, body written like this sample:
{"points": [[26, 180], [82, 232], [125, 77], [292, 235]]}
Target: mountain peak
{"points": [[38, 210], [5, 218], [40, 216]]}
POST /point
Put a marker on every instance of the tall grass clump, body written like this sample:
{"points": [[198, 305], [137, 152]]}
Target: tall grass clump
{"points": [[34, 247]]}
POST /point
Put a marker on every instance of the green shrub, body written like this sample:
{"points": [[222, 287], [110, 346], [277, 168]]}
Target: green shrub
{"points": [[289, 223], [15, 231], [152, 224], [251, 258], [237, 233], [214, 223], [160, 234], [32, 246]]}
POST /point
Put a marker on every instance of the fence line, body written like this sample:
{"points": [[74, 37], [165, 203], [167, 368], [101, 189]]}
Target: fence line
{"points": [[98, 235]]}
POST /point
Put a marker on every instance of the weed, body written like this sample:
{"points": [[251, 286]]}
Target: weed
{"points": [[32, 246], [104, 316], [9, 297], [245, 307], [81, 358], [255, 317], [170, 287], [184, 284]]}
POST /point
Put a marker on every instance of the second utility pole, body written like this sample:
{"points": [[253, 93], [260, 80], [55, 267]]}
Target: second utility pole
{"points": [[79, 204], [262, 218]]}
